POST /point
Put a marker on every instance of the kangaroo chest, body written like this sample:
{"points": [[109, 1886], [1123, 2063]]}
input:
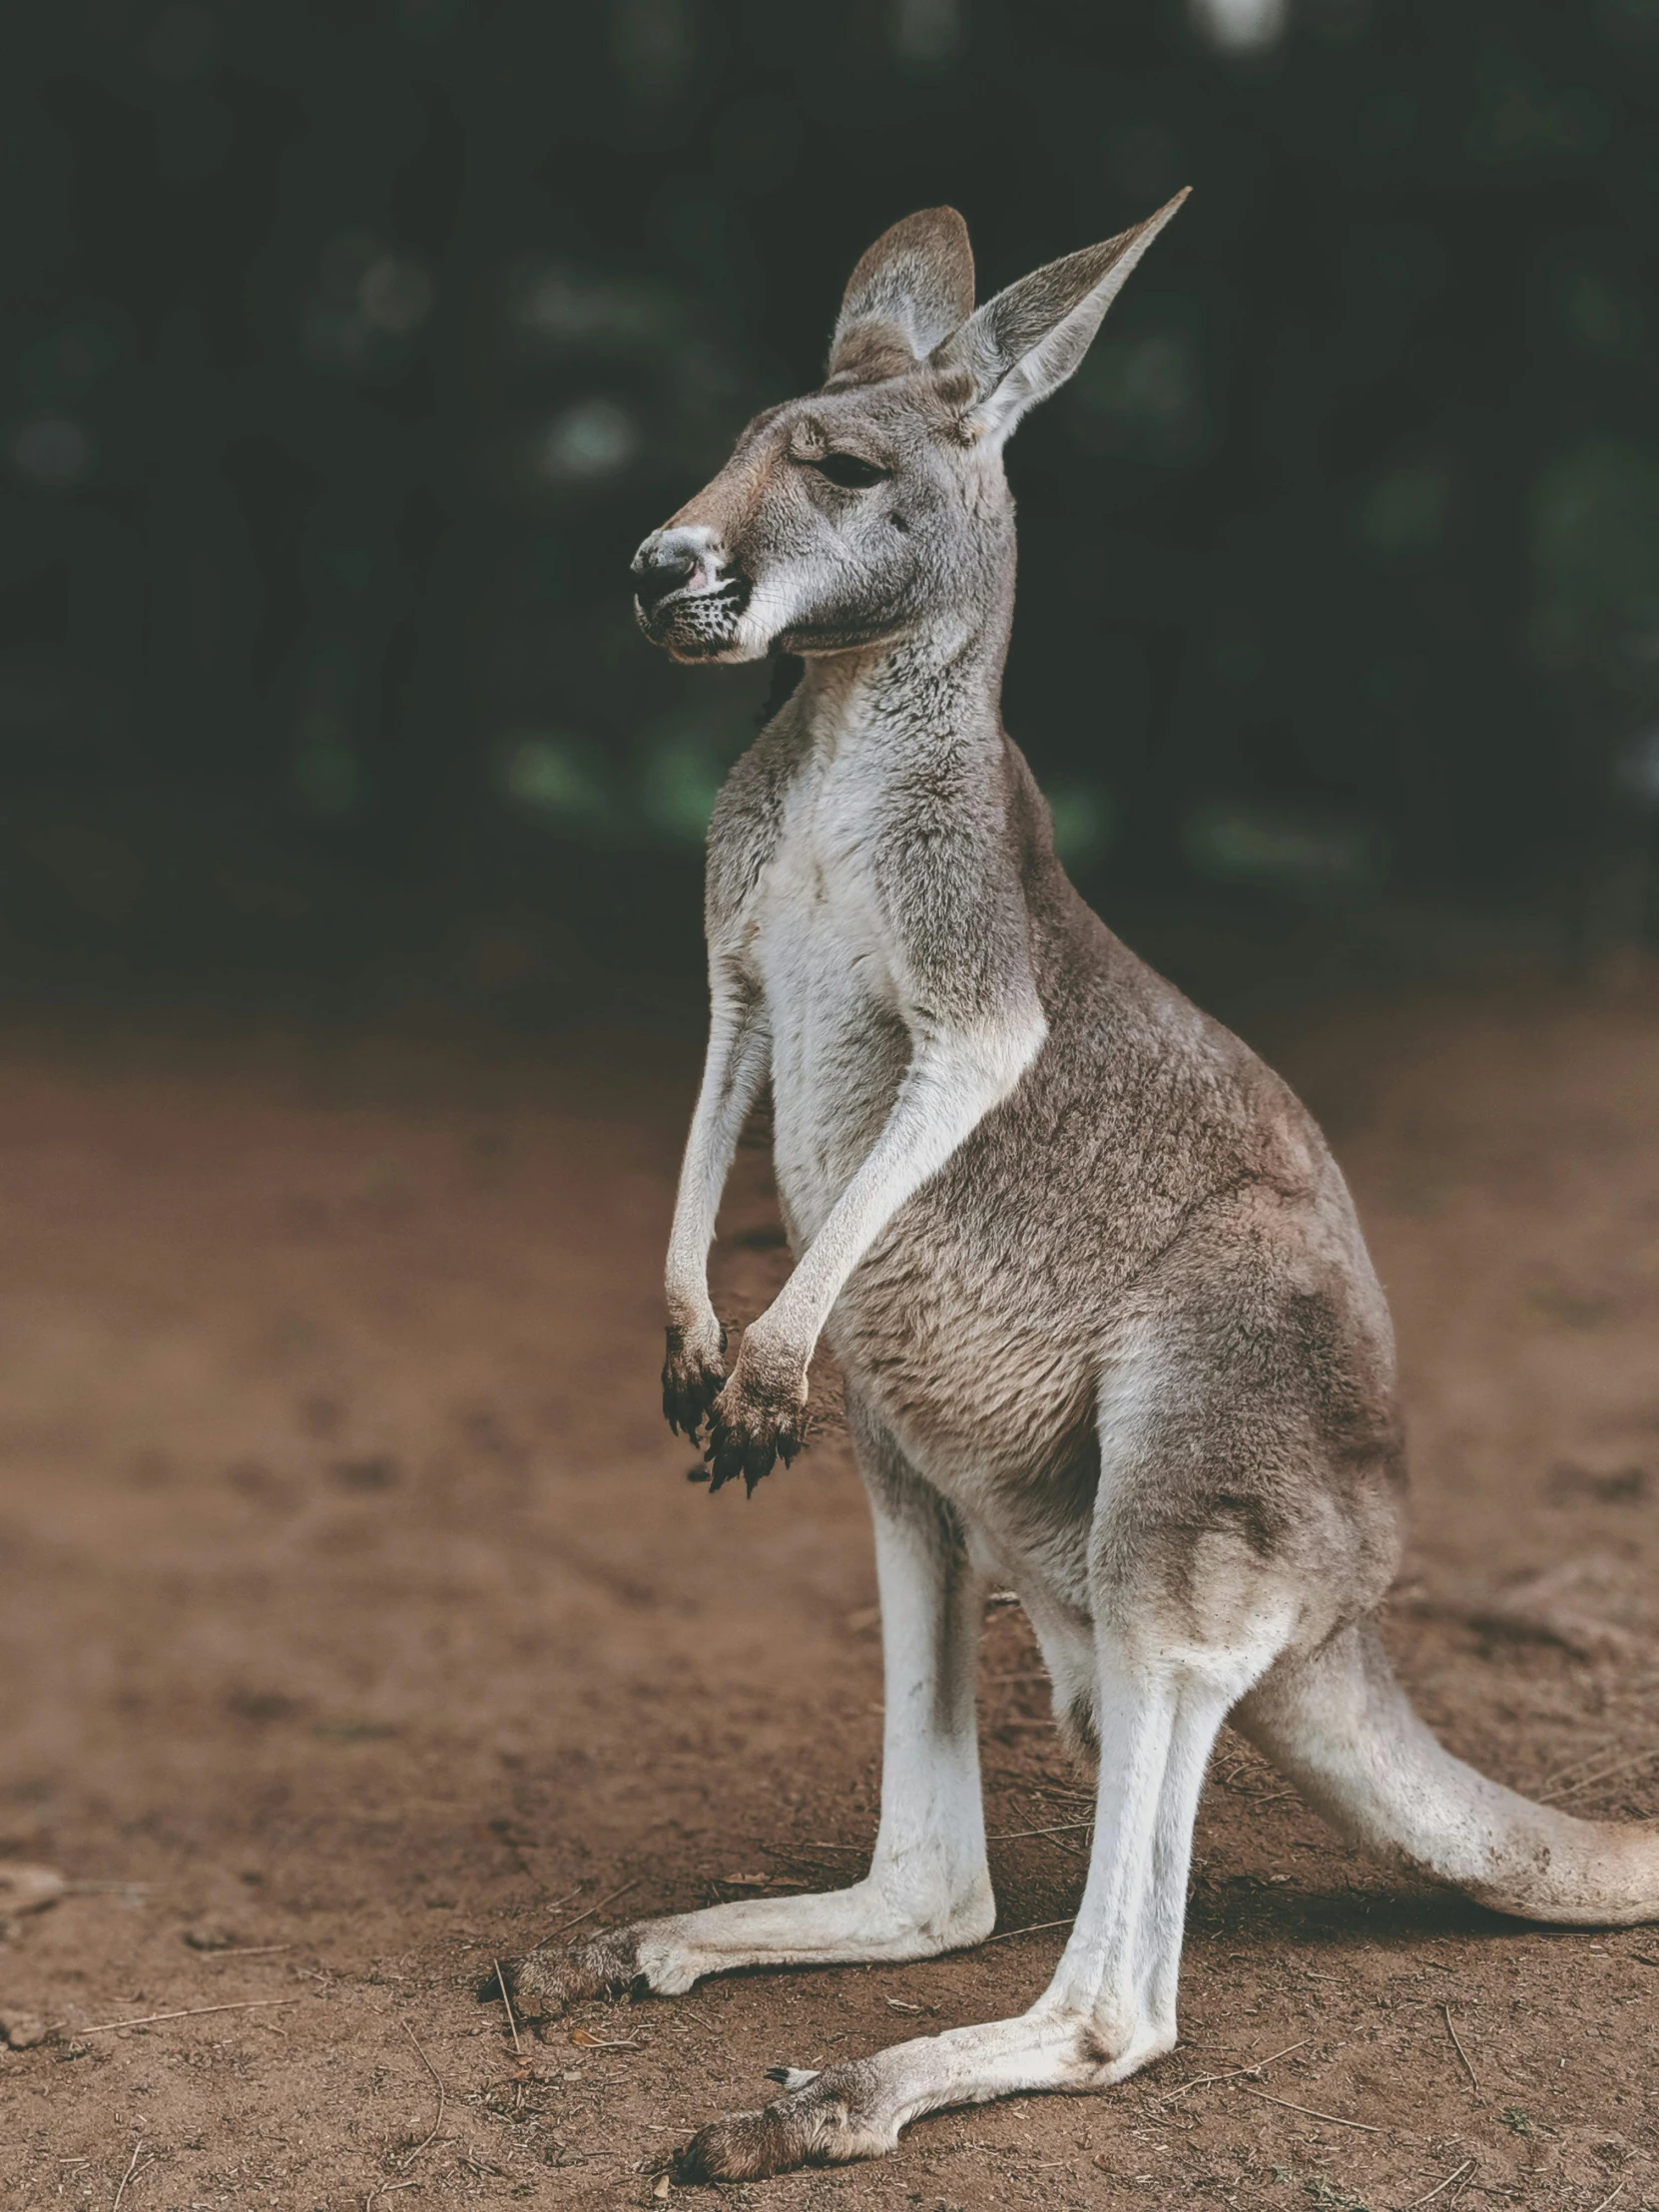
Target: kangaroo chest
{"points": [[827, 967]]}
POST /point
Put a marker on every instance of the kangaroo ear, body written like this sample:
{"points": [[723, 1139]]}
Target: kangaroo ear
{"points": [[914, 287], [1024, 344]]}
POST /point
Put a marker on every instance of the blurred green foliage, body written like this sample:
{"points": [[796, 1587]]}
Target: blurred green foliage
{"points": [[346, 352]]}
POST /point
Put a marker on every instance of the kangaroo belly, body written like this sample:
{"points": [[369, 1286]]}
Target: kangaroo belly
{"points": [[945, 1324], [838, 1061], [838, 1045], [956, 1336]]}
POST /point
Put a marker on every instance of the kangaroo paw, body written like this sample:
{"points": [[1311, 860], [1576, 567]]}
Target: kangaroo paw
{"points": [[692, 1376]]}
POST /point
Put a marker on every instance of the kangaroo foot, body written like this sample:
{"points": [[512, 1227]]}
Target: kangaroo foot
{"points": [[824, 2119], [544, 1983]]}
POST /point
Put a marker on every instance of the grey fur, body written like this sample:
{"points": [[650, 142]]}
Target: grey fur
{"points": [[909, 292], [1108, 1324]]}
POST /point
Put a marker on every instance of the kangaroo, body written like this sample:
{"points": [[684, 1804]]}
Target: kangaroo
{"points": [[1109, 1327]]}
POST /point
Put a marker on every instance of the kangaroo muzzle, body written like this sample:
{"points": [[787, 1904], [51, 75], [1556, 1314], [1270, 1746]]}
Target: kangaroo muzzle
{"points": [[688, 597]]}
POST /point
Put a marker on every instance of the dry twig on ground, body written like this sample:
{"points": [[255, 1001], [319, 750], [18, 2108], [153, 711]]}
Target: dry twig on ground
{"points": [[1430, 2195], [501, 1984], [1457, 2044], [598, 1906], [1036, 1927], [1204, 2081], [430, 2136], [1363, 2127], [133, 2168], [191, 2012]]}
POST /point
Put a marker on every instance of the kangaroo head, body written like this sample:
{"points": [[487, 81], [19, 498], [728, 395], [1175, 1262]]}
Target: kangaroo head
{"points": [[878, 503]]}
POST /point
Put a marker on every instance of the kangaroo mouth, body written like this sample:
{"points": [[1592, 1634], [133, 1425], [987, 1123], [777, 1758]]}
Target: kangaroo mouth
{"points": [[697, 625]]}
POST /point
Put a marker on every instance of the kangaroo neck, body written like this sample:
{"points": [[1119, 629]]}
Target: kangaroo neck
{"points": [[922, 692]]}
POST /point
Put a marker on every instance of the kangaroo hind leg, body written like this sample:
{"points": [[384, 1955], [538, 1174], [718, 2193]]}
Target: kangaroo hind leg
{"points": [[1110, 2006], [1197, 1583], [929, 1887]]}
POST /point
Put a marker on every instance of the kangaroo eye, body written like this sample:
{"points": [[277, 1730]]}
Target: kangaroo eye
{"points": [[849, 471]]}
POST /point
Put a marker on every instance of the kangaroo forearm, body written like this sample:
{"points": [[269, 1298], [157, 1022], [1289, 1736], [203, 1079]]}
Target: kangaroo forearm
{"points": [[949, 1090], [736, 1067]]}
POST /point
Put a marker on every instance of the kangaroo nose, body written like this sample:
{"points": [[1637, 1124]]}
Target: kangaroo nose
{"points": [[671, 559], [661, 570]]}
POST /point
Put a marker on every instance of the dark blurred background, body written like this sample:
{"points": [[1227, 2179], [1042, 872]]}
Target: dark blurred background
{"points": [[348, 351]]}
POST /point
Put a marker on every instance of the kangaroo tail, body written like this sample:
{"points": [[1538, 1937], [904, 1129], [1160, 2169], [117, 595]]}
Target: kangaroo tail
{"points": [[1339, 1727]]}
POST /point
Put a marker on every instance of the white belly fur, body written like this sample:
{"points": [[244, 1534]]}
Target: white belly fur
{"points": [[840, 1047]]}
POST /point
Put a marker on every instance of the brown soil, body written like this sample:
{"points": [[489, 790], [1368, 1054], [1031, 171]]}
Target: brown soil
{"points": [[356, 1610]]}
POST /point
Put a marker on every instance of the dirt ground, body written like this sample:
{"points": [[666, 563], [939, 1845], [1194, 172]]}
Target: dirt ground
{"points": [[359, 1628]]}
